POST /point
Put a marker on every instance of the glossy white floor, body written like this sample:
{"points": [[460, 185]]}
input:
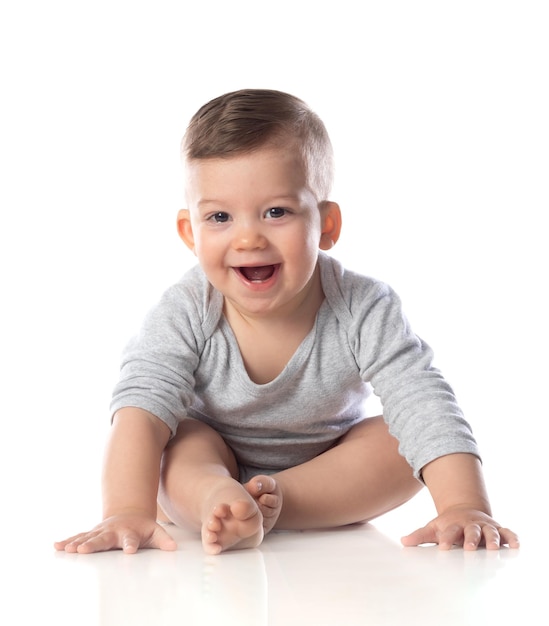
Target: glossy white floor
{"points": [[355, 575]]}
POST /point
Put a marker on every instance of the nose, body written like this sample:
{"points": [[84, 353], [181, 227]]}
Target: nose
{"points": [[248, 236]]}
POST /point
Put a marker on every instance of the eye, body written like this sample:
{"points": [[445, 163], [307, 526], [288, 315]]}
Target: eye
{"points": [[276, 213], [219, 218]]}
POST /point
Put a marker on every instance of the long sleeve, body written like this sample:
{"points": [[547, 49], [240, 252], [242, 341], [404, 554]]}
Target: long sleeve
{"points": [[419, 405], [159, 363]]}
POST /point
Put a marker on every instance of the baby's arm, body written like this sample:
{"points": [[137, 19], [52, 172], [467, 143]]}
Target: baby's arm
{"points": [[456, 484], [130, 487]]}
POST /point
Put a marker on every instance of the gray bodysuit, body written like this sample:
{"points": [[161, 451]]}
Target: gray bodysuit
{"points": [[186, 362]]}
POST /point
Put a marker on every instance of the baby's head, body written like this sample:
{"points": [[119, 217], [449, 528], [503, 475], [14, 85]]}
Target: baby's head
{"points": [[250, 119]]}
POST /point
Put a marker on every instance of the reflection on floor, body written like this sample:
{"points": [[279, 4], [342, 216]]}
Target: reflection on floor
{"points": [[354, 575]]}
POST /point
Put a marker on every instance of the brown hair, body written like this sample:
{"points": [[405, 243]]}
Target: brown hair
{"points": [[246, 120]]}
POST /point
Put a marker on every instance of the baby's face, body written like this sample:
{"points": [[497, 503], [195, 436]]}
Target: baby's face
{"points": [[255, 227]]}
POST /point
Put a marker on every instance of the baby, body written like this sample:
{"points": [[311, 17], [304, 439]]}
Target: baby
{"points": [[240, 406]]}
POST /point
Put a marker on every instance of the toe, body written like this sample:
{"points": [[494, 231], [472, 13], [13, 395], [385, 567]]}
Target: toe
{"points": [[262, 484], [214, 524], [269, 500], [244, 510]]}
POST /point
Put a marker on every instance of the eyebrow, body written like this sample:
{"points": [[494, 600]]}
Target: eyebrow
{"points": [[277, 199], [202, 203]]}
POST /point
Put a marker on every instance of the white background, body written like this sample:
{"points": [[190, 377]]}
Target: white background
{"points": [[438, 115]]}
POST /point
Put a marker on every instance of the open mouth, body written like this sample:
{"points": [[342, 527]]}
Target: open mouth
{"points": [[257, 274]]}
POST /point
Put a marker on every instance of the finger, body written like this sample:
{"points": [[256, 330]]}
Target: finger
{"points": [[62, 545], [70, 544], [508, 537], [130, 542], [473, 535], [451, 536], [419, 536], [99, 542], [491, 537], [162, 540], [73, 544]]}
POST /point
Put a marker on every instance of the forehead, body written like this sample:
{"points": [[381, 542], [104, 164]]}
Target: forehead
{"points": [[271, 169]]}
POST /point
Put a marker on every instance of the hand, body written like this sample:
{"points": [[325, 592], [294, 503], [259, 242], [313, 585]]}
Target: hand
{"points": [[127, 532], [463, 527]]}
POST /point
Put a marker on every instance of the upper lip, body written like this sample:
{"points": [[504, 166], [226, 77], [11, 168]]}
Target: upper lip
{"points": [[258, 264]]}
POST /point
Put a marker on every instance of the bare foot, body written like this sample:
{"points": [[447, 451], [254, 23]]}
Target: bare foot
{"points": [[268, 495], [233, 526]]}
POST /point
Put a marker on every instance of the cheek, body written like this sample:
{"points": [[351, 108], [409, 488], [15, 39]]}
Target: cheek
{"points": [[311, 237], [200, 241], [206, 250]]}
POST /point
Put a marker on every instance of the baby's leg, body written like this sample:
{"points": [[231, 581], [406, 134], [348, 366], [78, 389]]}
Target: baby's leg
{"points": [[199, 489], [361, 478]]}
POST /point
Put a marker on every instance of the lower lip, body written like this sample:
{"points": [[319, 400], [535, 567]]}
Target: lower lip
{"points": [[258, 286]]}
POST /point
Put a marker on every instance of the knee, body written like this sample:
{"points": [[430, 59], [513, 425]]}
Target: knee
{"points": [[191, 427], [194, 444]]}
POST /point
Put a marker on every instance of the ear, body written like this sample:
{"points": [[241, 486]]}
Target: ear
{"points": [[184, 228], [331, 225]]}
